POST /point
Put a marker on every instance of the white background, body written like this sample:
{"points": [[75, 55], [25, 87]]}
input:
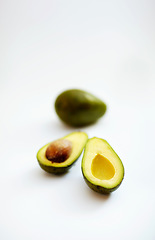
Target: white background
{"points": [[106, 48]]}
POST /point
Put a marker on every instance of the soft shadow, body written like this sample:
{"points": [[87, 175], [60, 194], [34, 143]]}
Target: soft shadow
{"points": [[96, 195], [78, 127], [73, 192], [88, 193], [84, 200], [53, 175], [41, 175], [56, 126]]}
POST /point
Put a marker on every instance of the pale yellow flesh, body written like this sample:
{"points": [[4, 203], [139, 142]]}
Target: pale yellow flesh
{"points": [[102, 168], [101, 165], [78, 140]]}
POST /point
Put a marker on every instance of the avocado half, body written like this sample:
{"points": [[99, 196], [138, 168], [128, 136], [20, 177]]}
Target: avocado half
{"points": [[102, 169], [78, 141], [79, 108]]}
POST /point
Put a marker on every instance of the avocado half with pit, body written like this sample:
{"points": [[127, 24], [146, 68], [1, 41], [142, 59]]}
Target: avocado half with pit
{"points": [[59, 155], [102, 169], [79, 108]]}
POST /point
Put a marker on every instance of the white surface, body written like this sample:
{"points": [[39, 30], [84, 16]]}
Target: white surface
{"points": [[106, 48]]}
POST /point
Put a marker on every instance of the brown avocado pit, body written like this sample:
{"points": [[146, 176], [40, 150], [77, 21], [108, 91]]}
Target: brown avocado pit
{"points": [[59, 150], [70, 145]]}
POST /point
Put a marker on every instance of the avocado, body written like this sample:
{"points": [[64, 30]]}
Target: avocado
{"points": [[102, 169], [79, 108], [59, 155]]}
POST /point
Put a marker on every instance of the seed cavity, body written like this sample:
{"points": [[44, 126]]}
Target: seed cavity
{"points": [[102, 168], [59, 150]]}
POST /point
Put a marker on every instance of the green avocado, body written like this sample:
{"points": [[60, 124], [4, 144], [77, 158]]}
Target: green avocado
{"points": [[102, 169], [59, 155], [79, 108]]}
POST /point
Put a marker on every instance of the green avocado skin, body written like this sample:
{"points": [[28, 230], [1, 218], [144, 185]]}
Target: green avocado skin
{"points": [[55, 170], [100, 189], [79, 108]]}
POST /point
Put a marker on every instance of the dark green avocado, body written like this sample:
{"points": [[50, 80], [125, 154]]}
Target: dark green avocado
{"points": [[59, 155], [79, 108], [102, 169]]}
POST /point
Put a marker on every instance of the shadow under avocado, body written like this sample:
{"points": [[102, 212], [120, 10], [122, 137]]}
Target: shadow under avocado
{"points": [[53, 175], [100, 196]]}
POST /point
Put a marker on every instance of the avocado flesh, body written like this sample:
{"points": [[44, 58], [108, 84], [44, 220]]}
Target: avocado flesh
{"points": [[78, 140], [102, 169], [79, 108]]}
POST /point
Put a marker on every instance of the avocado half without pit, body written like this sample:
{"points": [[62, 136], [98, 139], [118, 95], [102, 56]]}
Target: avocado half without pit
{"points": [[102, 169], [59, 155]]}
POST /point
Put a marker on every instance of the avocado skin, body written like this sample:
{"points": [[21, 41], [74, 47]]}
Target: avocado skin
{"points": [[56, 170], [100, 189], [79, 108]]}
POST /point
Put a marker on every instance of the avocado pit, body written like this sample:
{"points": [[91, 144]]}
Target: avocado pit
{"points": [[59, 150]]}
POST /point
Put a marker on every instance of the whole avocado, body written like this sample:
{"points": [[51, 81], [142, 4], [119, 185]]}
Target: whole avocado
{"points": [[79, 108]]}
